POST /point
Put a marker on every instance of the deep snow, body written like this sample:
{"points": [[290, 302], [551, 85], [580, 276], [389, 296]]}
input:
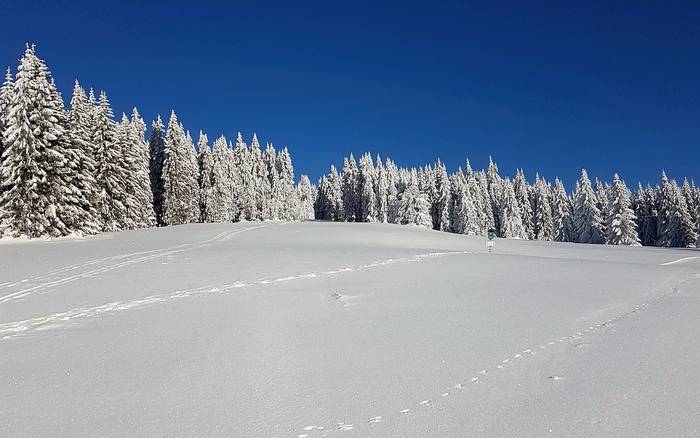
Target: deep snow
{"points": [[331, 329]]}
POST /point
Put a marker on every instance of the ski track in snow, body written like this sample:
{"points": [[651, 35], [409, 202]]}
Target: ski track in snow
{"points": [[684, 259], [131, 259], [481, 377], [57, 320]]}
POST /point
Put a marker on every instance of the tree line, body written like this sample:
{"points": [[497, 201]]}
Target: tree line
{"points": [[78, 171], [473, 201]]}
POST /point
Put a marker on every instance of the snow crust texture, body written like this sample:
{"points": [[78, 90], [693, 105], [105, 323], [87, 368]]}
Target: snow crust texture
{"points": [[324, 329]]}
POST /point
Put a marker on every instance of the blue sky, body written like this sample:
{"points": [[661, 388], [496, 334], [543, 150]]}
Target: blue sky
{"points": [[550, 87]]}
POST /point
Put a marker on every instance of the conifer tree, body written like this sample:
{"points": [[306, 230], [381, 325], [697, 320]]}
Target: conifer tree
{"points": [[366, 192], [440, 196], [205, 163], [80, 132], [414, 207], [258, 178], [381, 191], [156, 145], [510, 219], [676, 228], [621, 227], [5, 101], [562, 214], [521, 188], [272, 186], [111, 170], [464, 218], [645, 212], [544, 226], [495, 191], [307, 197], [601, 195], [39, 179], [288, 197], [349, 189], [220, 203], [180, 197], [140, 184], [587, 216]]}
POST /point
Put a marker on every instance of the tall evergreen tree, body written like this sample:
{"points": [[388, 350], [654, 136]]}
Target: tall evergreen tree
{"points": [[544, 226], [180, 203], [510, 219], [38, 174], [220, 202], [622, 229], [645, 212], [349, 189], [440, 197], [205, 164], [495, 191], [288, 195], [587, 217], [367, 200], [414, 207], [521, 188], [307, 197], [156, 145], [562, 214], [112, 172], [5, 101], [676, 225], [80, 132]]}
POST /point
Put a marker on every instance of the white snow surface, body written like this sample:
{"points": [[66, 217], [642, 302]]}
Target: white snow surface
{"points": [[329, 329]]}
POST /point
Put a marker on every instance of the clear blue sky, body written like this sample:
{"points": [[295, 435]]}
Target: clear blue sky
{"points": [[550, 87]]}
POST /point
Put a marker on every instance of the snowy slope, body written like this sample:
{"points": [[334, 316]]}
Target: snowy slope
{"points": [[331, 329]]}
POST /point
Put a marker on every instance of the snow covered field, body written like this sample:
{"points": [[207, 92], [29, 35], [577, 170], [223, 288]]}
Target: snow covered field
{"points": [[331, 329]]}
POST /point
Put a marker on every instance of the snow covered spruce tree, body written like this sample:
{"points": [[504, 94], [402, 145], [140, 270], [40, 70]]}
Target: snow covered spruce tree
{"points": [[645, 212], [180, 190], [413, 206], [39, 174], [205, 165], [562, 214], [287, 196], [495, 191], [588, 222], [521, 188], [510, 219], [463, 211], [439, 191], [306, 193], [220, 202], [156, 146], [112, 171], [366, 200], [349, 189], [142, 214], [80, 118], [621, 228], [676, 228], [5, 100], [544, 226], [381, 191], [242, 182], [329, 204]]}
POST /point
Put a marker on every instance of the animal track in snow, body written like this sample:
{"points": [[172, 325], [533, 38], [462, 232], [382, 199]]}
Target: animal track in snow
{"points": [[461, 386]]}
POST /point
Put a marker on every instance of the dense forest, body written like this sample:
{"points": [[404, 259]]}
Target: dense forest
{"points": [[78, 171]]}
